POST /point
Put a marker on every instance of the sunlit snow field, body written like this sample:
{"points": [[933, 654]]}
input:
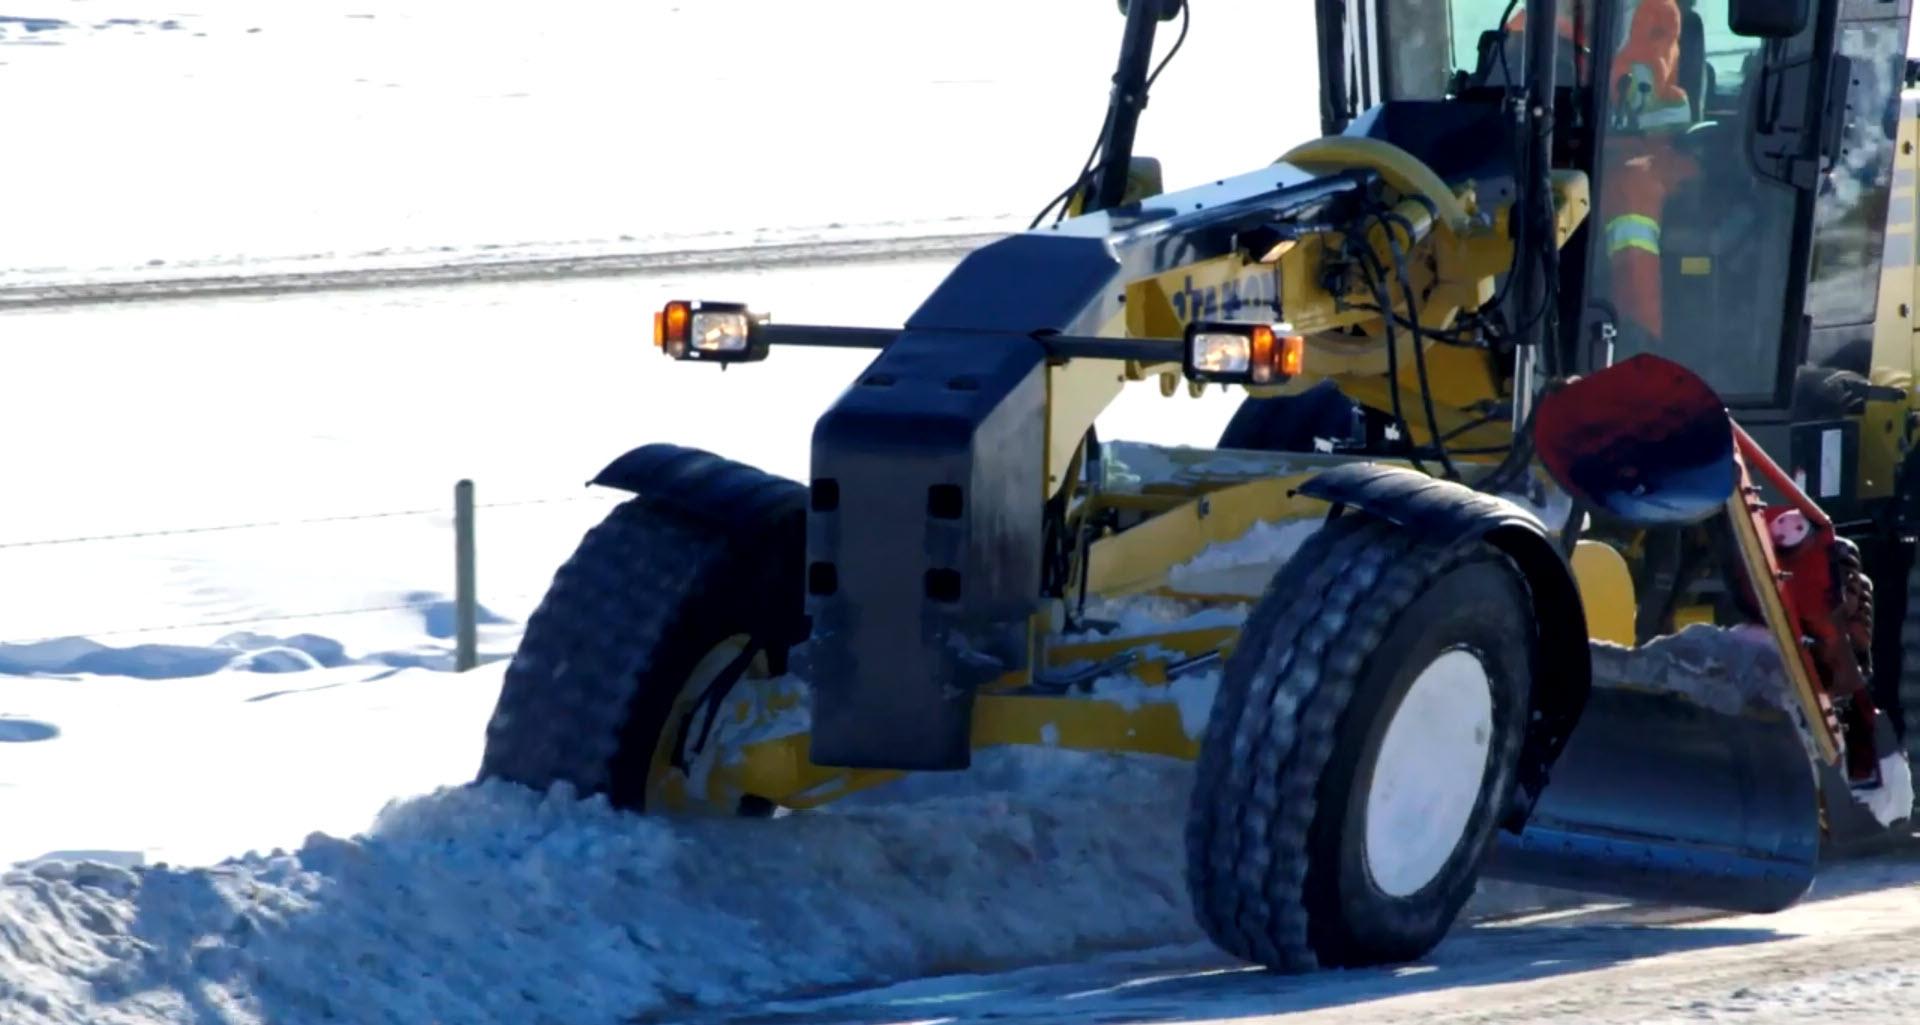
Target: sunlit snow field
{"points": [[213, 131]]}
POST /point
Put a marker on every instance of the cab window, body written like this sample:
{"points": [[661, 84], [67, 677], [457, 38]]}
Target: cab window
{"points": [[1441, 44], [1690, 256]]}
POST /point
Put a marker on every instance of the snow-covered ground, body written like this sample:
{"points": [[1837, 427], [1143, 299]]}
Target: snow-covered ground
{"points": [[197, 136], [195, 769], [150, 419], [191, 135]]}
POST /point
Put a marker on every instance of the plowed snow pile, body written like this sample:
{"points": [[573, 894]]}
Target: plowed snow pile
{"points": [[1732, 669], [495, 905]]}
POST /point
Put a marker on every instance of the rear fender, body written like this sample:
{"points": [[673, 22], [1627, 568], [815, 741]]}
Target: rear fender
{"points": [[1455, 514]]}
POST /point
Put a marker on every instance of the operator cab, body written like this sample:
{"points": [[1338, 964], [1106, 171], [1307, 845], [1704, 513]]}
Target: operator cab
{"points": [[1705, 151]]}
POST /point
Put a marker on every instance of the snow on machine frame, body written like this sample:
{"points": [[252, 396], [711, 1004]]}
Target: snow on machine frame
{"points": [[1452, 640]]}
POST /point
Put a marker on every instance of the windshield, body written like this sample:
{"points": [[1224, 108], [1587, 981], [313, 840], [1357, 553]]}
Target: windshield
{"points": [[1469, 19], [1686, 229], [1438, 41], [1442, 38]]}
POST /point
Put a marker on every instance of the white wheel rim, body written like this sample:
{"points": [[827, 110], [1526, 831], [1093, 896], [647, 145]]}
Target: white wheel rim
{"points": [[1428, 772]]}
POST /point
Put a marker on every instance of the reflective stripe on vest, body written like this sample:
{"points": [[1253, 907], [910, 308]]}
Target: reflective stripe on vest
{"points": [[1633, 231]]}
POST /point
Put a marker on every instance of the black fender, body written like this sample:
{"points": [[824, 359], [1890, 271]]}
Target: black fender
{"points": [[708, 488], [1452, 513]]}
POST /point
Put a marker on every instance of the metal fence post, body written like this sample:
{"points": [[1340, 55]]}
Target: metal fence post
{"points": [[465, 603]]}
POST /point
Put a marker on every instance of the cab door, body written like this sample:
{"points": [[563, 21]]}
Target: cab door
{"points": [[1856, 205]]}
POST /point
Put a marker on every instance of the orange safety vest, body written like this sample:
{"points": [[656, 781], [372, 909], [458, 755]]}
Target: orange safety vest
{"points": [[1639, 175], [1643, 166]]}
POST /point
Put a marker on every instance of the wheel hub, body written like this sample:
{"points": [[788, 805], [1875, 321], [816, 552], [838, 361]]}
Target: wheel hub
{"points": [[1428, 772], [674, 788]]}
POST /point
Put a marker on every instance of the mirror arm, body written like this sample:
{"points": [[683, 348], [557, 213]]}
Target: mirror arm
{"points": [[1123, 110]]}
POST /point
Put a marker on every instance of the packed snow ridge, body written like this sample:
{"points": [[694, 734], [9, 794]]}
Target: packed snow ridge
{"points": [[492, 904]]}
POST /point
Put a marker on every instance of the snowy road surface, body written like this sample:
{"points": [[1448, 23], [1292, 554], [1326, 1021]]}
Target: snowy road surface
{"points": [[1850, 954]]}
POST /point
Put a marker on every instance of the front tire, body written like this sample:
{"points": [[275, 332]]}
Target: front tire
{"points": [[1361, 749]]}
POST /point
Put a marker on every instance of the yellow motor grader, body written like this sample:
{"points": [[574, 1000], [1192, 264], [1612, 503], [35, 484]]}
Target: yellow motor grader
{"points": [[1565, 534]]}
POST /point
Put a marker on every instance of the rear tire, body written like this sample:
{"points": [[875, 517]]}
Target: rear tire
{"points": [[1332, 721], [1290, 423], [650, 594]]}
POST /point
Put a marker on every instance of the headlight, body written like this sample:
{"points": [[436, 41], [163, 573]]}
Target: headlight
{"points": [[1243, 353], [720, 332], [714, 332], [1221, 352]]}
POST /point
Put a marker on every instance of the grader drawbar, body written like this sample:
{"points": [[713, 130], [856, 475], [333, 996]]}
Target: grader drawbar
{"points": [[1384, 656]]}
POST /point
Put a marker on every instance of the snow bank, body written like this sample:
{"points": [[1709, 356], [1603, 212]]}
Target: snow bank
{"points": [[492, 904], [256, 653], [1730, 670], [247, 651]]}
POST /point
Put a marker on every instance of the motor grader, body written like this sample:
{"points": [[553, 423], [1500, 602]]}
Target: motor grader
{"points": [[1393, 619]]}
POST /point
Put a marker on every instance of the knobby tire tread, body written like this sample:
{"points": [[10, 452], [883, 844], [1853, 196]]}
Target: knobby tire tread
{"points": [[1275, 725]]}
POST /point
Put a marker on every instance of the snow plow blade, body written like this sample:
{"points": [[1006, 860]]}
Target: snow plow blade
{"points": [[1660, 799]]}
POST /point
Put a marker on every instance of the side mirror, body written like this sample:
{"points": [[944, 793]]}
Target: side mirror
{"points": [[1144, 181], [1767, 19], [1165, 10]]}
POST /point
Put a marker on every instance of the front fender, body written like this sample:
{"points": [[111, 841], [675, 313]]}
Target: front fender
{"points": [[1453, 513], [707, 488]]}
